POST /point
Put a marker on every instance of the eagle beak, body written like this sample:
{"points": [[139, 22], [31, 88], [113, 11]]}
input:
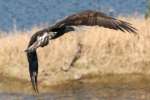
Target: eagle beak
{"points": [[33, 69]]}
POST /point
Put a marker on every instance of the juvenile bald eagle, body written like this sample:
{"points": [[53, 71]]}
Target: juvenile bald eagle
{"points": [[87, 18]]}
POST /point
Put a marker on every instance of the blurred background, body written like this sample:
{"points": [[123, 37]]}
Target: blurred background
{"points": [[24, 14], [110, 65]]}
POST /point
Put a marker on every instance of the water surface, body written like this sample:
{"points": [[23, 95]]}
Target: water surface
{"points": [[109, 87]]}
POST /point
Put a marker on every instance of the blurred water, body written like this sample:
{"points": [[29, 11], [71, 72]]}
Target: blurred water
{"points": [[23, 14], [103, 94], [110, 87], [85, 92]]}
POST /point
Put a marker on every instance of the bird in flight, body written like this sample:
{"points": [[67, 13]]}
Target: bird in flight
{"points": [[86, 18]]}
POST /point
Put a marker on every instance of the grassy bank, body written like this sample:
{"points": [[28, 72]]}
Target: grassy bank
{"points": [[102, 51]]}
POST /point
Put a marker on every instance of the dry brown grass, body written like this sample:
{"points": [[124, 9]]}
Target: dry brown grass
{"points": [[103, 51]]}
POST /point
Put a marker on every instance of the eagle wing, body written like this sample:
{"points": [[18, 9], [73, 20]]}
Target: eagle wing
{"points": [[92, 18], [33, 69]]}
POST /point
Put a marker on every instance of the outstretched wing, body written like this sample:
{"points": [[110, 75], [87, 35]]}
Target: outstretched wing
{"points": [[91, 18], [33, 69], [33, 63]]}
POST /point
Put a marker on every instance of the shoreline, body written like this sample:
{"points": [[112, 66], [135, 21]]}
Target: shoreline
{"points": [[130, 81]]}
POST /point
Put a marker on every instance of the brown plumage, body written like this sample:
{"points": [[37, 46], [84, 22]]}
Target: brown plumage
{"points": [[87, 18]]}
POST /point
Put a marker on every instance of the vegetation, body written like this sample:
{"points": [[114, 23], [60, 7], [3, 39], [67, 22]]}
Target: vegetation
{"points": [[103, 51]]}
